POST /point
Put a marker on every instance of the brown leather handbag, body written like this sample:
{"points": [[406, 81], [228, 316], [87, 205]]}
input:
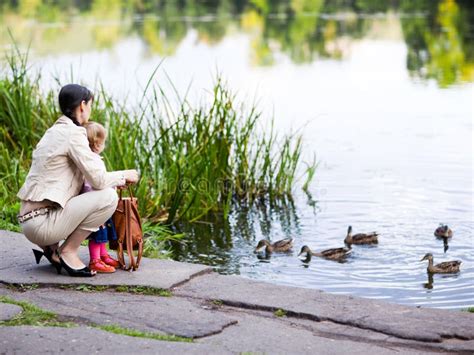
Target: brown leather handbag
{"points": [[129, 231]]}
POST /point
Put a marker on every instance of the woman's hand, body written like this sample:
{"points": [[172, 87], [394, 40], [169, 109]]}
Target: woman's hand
{"points": [[131, 176]]}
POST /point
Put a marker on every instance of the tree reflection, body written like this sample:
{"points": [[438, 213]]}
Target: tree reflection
{"points": [[437, 33], [106, 11], [439, 46]]}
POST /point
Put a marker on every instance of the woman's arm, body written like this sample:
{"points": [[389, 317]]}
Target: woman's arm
{"points": [[93, 169]]}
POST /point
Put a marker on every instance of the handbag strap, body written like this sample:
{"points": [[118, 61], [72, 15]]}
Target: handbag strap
{"points": [[133, 265], [128, 235], [130, 192], [140, 241], [120, 255]]}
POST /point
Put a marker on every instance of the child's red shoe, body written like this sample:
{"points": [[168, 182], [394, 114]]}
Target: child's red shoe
{"points": [[107, 259], [99, 266]]}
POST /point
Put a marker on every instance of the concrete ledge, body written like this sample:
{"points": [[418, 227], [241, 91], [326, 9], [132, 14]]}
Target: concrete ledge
{"points": [[162, 315], [242, 320], [86, 340], [405, 322], [18, 266]]}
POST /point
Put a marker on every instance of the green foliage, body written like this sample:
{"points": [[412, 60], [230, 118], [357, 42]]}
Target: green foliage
{"points": [[218, 303], [13, 171], [23, 287], [116, 329], [280, 313], [7, 225], [193, 160], [83, 288], [24, 113], [144, 290], [35, 316], [156, 240]]}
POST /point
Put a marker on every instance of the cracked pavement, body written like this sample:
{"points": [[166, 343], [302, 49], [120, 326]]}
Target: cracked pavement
{"points": [[222, 314]]}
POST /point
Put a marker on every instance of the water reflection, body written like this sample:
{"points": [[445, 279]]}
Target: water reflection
{"points": [[441, 47], [438, 34], [445, 243], [264, 257], [224, 242], [308, 257], [305, 263], [429, 285]]}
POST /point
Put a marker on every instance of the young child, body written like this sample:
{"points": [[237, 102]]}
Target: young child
{"points": [[100, 260]]}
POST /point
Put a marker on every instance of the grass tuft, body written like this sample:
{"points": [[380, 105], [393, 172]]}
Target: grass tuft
{"points": [[32, 315], [116, 329], [144, 290], [22, 287], [280, 313], [218, 303], [35, 316]]}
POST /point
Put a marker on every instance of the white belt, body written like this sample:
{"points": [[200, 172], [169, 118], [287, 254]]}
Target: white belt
{"points": [[35, 213]]}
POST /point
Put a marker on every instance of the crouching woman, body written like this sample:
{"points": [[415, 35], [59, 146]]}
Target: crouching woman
{"points": [[52, 209]]}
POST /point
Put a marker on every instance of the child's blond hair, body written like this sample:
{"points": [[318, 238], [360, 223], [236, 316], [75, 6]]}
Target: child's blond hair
{"points": [[96, 134]]}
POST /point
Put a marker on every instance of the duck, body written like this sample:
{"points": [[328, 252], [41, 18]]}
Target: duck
{"points": [[331, 254], [443, 231], [447, 267], [360, 238], [283, 245]]}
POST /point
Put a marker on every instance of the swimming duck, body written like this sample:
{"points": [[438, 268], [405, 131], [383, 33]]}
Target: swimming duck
{"points": [[279, 246], [443, 268], [443, 231], [360, 238], [332, 254]]}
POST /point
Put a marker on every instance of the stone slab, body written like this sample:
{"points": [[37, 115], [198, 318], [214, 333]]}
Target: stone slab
{"points": [[8, 311], [86, 340], [255, 332], [317, 319], [18, 265], [343, 332], [272, 335], [165, 315], [406, 322]]}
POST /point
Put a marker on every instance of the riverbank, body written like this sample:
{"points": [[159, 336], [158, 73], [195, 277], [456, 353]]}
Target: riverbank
{"points": [[170, 306]]}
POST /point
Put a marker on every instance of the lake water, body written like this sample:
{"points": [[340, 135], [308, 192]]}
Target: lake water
{"points": [[383, 95]]}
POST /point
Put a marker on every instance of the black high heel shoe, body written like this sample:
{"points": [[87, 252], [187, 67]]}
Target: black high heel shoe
{"points": [[48, 254], [38, 255], [84, 272]]}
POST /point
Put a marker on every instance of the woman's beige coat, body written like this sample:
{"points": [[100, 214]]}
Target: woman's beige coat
{"points": [[61, 161]]}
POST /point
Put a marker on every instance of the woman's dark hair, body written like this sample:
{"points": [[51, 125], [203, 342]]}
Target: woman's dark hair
{"points": [[70, 97]]}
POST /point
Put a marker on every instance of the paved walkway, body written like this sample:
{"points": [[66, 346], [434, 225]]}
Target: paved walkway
{"points": [[221, 314]]}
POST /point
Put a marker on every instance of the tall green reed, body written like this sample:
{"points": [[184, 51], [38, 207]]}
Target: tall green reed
{"points": [[193, 159], [24, 112]]}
